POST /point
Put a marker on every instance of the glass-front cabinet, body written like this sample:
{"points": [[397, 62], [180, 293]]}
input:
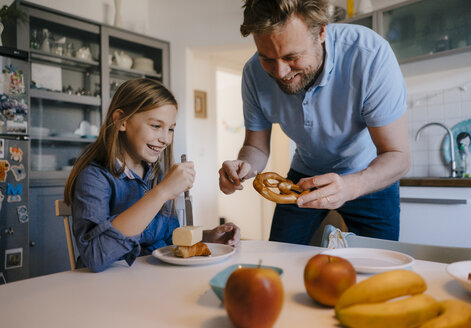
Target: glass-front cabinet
{"points": [[65, 91], [367, 20], [76, 66], [427, 27], [421, 29], [128, 55]]}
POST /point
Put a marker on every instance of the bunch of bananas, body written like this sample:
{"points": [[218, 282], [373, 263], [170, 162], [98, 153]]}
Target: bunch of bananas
{"points": [[369, 304]]}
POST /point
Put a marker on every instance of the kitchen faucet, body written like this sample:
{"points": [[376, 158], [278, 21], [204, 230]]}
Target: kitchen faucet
{"points": [[452, 145]]}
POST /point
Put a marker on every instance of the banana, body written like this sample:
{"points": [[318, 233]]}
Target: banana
{"points": [[382, 287], [403, 313], [453, 314]]}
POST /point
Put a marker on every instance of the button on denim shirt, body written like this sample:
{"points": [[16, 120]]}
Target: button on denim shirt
{"points": [[98, 198]]}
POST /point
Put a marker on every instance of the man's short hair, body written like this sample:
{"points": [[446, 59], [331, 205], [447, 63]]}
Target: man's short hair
{"points": [[264, 16]]}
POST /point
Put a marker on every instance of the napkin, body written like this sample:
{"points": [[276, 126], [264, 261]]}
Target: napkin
{"points": [[334, 237]]}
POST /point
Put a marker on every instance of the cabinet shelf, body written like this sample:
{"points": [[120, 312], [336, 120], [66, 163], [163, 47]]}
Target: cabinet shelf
{"points": [[48, 175], [63, 139], [64, 97], [75, 63], [129, 72]]}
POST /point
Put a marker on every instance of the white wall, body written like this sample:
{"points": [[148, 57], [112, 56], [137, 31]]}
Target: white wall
{"points": [[243, 207]]}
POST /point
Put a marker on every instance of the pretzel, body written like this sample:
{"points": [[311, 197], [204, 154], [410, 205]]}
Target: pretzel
{"points": [[289, 192]]}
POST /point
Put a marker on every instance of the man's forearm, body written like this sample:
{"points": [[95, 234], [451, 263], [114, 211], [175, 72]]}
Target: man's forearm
{"points": [[384, 170], [255, 157]]}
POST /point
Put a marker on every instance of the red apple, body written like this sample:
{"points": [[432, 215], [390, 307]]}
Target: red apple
{"points": [[253, 297], [326, 277]]}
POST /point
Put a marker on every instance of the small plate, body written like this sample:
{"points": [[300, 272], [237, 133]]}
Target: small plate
{"points": [[218, 282], [372, 260], [460, 271], [219, 252]]}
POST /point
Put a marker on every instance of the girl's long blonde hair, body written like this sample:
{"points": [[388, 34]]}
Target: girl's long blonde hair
{"points": [[133, 96]]}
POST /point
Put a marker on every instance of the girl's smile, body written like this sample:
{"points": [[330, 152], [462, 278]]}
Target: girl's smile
{"points": [[147, 134]]}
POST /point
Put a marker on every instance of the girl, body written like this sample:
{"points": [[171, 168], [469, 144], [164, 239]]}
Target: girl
{"points": [[122, 186]]}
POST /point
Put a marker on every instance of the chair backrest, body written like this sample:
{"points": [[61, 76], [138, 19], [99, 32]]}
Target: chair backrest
{"points": [[64, 211], [444, 254]]}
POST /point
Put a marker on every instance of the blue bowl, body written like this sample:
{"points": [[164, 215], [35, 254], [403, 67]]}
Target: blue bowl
{"points": [[218, 282]]}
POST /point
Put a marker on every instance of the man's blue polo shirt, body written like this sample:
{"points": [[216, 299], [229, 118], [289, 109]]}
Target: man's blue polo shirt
{"points": [[361, 85]]}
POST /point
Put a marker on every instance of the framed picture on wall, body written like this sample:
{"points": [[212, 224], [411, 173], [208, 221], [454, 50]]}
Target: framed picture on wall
{"points": [[200, 104]]}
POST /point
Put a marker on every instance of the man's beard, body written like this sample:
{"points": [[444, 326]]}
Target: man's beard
{"points": [[307, 79], [308, 76]]}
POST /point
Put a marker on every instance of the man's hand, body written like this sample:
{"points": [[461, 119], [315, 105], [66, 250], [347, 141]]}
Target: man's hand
{"points": [[331, 191], [232, 174]]}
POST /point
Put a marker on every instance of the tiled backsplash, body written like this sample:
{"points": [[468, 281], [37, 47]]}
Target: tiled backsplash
{"points": [[448, 102]]}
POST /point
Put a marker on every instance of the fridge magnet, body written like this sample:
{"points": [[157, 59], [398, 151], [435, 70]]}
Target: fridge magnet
{"points": [[16, 154], [15, 113], [14, 193], [2, 197], [2, 148], [13, 258], [19, 172], [13, 76], [13, 198], [4, 168], [14, 126], [200, 104], [22, 212]]}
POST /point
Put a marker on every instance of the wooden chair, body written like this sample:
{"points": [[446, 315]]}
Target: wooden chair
{"points": [[443, 254], [62, 209]]}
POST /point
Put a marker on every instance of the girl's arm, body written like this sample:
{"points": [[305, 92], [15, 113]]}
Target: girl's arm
{"points": [[136, 218], [96, 194]]}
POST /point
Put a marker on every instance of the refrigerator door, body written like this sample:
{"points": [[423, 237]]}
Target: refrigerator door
{"points": [[13, 96], [14, 208]]}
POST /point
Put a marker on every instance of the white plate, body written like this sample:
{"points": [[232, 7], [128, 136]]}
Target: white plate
{"points": [[372, 260], [219, 252], [460, 271]]}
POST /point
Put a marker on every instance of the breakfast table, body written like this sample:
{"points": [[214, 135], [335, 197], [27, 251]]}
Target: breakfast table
{"points": [[152, 293]]}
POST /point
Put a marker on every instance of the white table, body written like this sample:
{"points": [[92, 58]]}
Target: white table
{"points": [[155, 294]]}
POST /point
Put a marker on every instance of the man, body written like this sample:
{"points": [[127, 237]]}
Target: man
{"points": [[337, 91]]}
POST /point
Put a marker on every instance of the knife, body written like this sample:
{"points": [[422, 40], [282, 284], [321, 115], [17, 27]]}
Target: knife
{"points": [[188, 207]]}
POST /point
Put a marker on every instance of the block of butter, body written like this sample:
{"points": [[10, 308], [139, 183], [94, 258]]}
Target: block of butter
{"points": [[187, 235]]}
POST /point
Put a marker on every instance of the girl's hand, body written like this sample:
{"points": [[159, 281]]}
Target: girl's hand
{"points": [[180, 178], [227, 233]]}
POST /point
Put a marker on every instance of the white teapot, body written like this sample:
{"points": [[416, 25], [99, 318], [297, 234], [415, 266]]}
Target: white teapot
{"points": [[122, 59], [84, 53]]}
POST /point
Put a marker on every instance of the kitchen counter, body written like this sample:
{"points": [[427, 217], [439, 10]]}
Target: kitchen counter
{"points": [[435, 182]]}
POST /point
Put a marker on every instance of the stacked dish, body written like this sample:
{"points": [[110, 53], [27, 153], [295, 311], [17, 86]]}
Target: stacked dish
{"points": [[39, 131], [144, 64], [44, 162]]}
